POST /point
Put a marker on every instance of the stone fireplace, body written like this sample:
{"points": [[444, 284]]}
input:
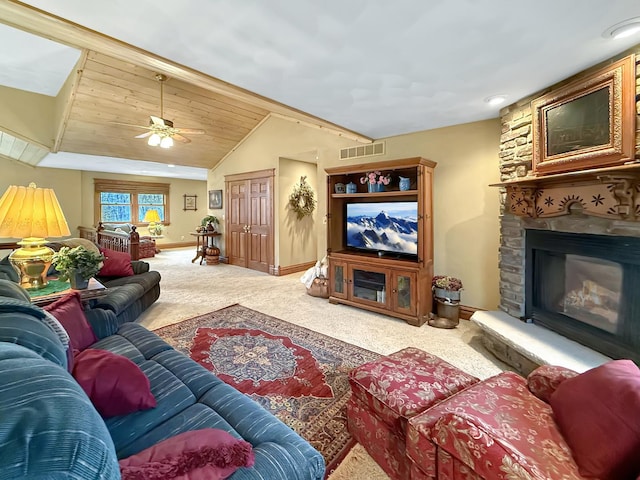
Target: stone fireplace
{"points": [[583, 210]]}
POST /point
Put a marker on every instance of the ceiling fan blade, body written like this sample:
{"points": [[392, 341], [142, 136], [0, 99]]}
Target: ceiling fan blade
{"points": [[191, 131], [157, 120], [143, 135], [180, 138]]}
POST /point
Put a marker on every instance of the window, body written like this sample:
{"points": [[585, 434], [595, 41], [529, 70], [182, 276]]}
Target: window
{"points": [[119, 201]]}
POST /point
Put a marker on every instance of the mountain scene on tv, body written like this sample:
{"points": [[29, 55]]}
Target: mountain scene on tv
{"points": [[389, 227]]}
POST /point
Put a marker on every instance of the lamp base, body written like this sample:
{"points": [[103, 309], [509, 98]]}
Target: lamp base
{"points": [[32, 262]]}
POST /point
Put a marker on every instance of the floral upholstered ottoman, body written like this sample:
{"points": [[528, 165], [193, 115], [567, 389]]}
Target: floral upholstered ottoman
{"points": [[389, 391]]}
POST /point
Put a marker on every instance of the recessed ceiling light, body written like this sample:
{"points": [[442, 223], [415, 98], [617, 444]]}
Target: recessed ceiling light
{"points": [[171, 165], [623, 29], [494, 100]]}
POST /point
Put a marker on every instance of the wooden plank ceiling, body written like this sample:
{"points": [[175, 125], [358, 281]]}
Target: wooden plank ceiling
{"points": [[111, 90]]}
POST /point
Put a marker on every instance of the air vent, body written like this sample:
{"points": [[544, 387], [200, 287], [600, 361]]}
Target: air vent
{"points": [[362, 151]]}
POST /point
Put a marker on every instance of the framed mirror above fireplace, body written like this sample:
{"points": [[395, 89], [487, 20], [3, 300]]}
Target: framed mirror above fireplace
{"points": [[585, 287]]}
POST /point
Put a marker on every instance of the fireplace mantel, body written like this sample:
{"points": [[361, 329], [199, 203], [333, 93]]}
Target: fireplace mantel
{"points": [[611, 192]]}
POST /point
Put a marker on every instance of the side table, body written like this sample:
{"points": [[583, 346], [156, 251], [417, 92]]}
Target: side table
{"points": [[94, 290], [203, 240]]}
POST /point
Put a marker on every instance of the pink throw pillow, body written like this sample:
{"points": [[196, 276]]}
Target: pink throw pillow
{"points": [[116, 264], [597, 412], [115, 385], [207, 454], [69, 312]]}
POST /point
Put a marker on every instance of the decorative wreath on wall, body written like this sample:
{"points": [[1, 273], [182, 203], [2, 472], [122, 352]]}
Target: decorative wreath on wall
{"points": [[302, 200]]}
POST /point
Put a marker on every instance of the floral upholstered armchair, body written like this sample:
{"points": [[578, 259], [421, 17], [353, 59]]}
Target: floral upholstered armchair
{"points": [[554, 425]]}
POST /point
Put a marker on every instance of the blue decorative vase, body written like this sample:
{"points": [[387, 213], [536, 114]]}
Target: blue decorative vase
{"points": [[375, 187], [405, 183], [352, 187]]}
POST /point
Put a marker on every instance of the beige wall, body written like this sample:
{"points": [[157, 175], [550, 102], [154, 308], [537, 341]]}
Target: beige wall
{"points": [[26, 115], [466, 209], [297, 240], [274, 139], [74, 189], [182, 222], [65, 183]]}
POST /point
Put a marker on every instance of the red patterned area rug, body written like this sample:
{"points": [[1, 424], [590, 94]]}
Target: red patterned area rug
{"points": [[297, 374]]}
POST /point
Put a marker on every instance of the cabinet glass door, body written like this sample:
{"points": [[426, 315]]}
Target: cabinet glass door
{"points": [[404, 292], [338, 280], [369, 285]]}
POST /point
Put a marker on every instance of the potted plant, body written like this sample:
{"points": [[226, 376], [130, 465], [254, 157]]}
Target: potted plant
{"points": [[446, 296], [77, 265], [447, 287], [211, 223]]}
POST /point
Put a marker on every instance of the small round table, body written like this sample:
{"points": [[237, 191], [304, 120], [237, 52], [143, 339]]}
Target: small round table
{"points": [[203, 240]]}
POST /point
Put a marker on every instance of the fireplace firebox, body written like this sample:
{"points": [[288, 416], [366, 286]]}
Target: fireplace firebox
{"points": [[585, 287]]}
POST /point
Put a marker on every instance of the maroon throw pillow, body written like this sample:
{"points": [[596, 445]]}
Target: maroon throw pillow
{"points": [[597, 412], [116, 264], [69, 312], [207, 454], [115, 385]]}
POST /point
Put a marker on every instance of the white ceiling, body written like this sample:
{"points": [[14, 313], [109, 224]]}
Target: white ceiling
{"points": [[378, 68]]}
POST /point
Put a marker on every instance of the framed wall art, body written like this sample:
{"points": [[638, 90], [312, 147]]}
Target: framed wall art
{"points": [[588, 123], [215, 199], [190, 202]]}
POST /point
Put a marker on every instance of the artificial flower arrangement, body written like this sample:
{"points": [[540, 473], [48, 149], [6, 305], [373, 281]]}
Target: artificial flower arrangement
{"points": [[376, 177], [447, 283]]}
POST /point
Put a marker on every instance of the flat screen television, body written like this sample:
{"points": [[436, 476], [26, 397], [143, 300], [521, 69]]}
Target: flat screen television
{"points": [[383, 227]]}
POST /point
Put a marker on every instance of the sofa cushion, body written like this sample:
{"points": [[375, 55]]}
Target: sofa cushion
{"points": [[7, 271], [81, 242], [10, 288], [118, 299], [25, 324], [116, 264], [496, 424], [115, 385], [49, 427], [597, 412], [207, 453], [68, 311]]}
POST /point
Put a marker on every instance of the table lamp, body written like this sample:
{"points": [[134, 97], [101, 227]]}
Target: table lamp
{"points": [[153, 219], [31, 213]]}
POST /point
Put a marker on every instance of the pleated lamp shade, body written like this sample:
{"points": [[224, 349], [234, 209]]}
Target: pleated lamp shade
{"points": [[31, 212]]}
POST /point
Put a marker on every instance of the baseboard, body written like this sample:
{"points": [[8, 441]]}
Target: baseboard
{"points": [[466, 312], [300, 267], [162, 246]]}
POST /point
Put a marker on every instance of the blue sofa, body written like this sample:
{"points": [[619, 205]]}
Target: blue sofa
{"points": [[49, 428]]}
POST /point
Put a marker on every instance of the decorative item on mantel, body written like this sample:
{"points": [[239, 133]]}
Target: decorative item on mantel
{"points": [[446, 294], [352, 187], [340, 188], [375, 181], [302, 199]]}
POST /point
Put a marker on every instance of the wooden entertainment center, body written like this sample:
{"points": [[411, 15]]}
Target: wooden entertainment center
{"points": [[382, 282]]}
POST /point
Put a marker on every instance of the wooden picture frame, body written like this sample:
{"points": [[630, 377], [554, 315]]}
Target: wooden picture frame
{"points": [[215, 199], [190, 202], [588, 123]]}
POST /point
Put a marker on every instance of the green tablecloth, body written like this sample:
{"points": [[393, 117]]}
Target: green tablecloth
{"points": [[53, 286]]}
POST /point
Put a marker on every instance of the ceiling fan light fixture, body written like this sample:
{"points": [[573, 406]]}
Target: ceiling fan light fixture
{"points": [[166, 142], [154, 140]]}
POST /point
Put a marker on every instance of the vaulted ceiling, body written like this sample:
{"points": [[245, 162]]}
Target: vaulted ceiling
{"points": [[359, 69]]}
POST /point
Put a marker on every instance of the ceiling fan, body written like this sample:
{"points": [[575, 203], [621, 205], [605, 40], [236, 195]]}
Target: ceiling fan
{"points": [[161, 131]]}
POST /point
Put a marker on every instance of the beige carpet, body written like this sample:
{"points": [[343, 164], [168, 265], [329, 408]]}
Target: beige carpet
{"points": [[190, 289]]}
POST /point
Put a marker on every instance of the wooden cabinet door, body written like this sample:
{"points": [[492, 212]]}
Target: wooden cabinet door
{"points": [[259, 236], [404, 292], [337, 279]]}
